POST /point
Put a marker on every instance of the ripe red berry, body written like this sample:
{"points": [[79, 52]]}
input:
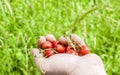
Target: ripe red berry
{"points": [[60, 48], [49, 53], [71, 51], [54, 43], [47, 44], [84, 50]]}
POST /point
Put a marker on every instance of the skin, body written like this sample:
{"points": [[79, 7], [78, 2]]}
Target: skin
{"points": [[68, 64]]}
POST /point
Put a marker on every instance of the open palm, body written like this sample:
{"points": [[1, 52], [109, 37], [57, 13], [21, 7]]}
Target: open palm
{"points": [[68, 64]]}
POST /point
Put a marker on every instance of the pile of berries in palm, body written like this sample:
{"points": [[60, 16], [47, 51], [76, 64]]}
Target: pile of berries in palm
{"points": [[56, 47]]}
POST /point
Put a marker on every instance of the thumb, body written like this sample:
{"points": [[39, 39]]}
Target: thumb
{"points": [[38, 59], [93, 59]]}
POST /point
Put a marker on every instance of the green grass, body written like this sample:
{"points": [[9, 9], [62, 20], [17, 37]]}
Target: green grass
{"points": [[22, 21]]}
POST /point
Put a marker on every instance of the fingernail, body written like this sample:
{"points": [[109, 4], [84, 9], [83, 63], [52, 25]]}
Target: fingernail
{"points": [[77, 39], [41, 40], [63, 40], [50, 37]]}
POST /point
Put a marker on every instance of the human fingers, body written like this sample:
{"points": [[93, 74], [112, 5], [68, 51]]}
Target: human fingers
{"points": [[75, 38], [41, 40], [63, 40], [50, 37]]}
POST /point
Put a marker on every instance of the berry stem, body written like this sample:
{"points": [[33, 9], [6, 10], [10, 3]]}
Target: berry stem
{"points": [[70, 42]]}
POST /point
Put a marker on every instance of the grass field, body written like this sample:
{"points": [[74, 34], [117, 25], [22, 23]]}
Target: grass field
{"points": [[22, 21]]}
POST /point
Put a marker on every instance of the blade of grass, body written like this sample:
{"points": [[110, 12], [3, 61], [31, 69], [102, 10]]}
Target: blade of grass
{"points": [[9, 7]]}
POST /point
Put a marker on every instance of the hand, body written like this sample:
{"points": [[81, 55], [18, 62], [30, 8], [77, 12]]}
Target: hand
{"points": [[68, 64]]}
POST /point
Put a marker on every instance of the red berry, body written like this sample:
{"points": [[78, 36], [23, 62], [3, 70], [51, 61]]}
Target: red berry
{"points": [[60, 48], [71, 51], [49, 53], [47, 44], [54, 43], [84, 50]]}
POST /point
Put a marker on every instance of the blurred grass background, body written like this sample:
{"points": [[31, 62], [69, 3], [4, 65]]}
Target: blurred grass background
{"points": [[22, 21]]}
